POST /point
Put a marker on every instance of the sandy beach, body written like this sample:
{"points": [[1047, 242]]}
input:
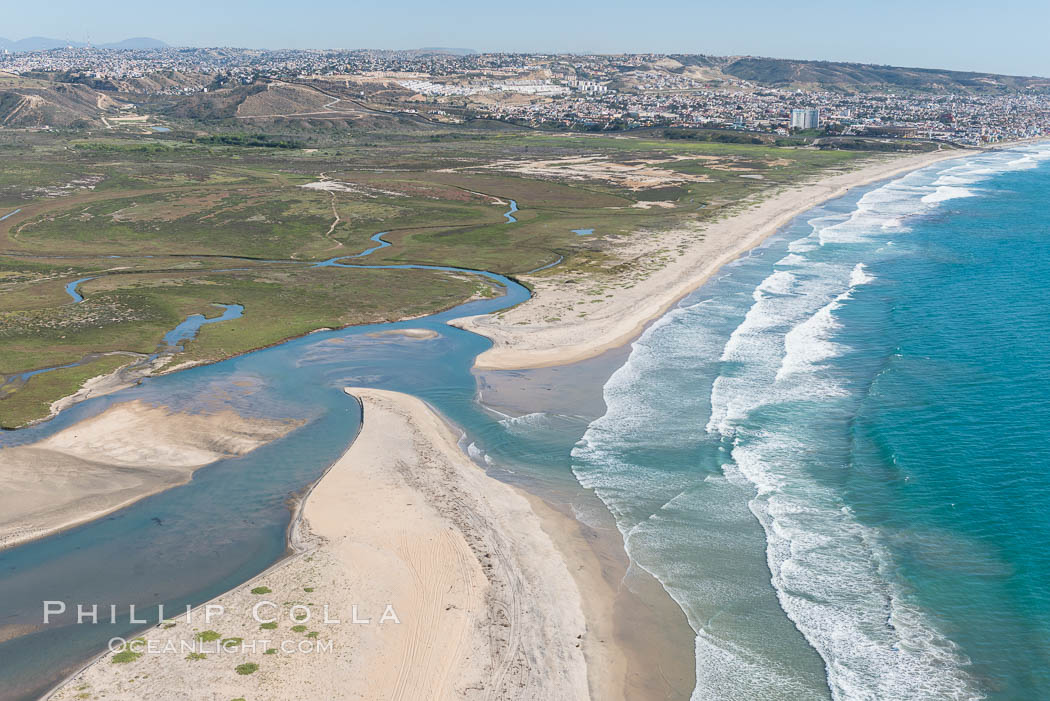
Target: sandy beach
{"points": [[112, 460], [496, 594], [543, 331], [403, 524]]}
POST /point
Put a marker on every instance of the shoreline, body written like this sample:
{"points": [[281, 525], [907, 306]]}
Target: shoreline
{"points": [[523, 340], [116, 380], [633, 315], [486, 597], [114, 459], [591, 349], [297, 543]]}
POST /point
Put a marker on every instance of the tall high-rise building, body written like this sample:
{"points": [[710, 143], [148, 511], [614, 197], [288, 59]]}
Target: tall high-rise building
{"points": [[805, 119]]}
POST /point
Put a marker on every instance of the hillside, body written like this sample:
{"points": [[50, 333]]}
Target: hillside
{"points": [[287, 104], [201, 90], [57, 105], [77, 98], [146, 84], [856, 77]]}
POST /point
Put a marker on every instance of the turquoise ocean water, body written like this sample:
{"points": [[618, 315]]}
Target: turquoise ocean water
{"points": [[836, 457]]}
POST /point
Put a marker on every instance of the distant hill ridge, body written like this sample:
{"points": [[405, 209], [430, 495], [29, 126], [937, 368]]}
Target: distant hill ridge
{"points": [[47, 43], [842, 76], [761, 72]]}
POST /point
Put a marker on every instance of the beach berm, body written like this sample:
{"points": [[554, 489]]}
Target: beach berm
{"points": [[404, 525], [544, 332]]}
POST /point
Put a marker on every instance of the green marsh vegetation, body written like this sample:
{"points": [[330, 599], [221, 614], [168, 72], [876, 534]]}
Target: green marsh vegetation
{"points": [[225, 219]]}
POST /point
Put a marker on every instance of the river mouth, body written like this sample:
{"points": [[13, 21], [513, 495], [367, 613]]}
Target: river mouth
{"points": [[174, 341], [184, 546], [188, 544]]}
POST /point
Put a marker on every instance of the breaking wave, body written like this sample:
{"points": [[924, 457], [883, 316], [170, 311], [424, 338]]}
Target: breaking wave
{"points": [[713, 422]]}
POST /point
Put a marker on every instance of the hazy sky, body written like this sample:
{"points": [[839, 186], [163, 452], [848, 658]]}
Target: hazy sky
{"points": [[1007, 36]]}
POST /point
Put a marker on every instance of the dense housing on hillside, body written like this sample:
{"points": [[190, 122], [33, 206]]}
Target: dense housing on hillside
{"points": [[581, 92]]}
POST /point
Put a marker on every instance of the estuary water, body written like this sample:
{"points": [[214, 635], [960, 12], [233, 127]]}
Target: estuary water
{"points": [[836, 456], [73, 289], [189, 544], [191, 325], [833, 456]]}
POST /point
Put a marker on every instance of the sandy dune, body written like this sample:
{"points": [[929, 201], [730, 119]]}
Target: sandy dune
{"points": [[525, 337], [101, 464], [486, 604]]}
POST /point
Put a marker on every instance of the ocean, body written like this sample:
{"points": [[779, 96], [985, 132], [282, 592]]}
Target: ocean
{"points": [[836, 456], [833, 456]]}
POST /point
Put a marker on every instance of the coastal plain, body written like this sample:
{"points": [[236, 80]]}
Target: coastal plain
{"points": [[160, 228], [606, 231]]}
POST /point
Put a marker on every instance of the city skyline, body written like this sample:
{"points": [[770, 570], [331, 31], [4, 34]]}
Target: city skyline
{"points": [[895, 33]]}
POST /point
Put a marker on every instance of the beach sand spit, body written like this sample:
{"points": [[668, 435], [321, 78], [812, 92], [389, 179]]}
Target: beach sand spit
{"points": [[404, 522], [418, 334], [111, 460]]}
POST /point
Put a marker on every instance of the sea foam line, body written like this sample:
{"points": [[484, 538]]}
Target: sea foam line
{"points": [[832, 575], [891, 651]]}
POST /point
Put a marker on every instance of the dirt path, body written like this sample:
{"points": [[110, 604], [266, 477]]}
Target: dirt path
{"points": [[335, 213]]}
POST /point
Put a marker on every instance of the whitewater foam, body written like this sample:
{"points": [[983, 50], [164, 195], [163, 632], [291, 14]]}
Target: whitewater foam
{"points": [[948, 192], [753, 361], [809, 343], [829, 571]]}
